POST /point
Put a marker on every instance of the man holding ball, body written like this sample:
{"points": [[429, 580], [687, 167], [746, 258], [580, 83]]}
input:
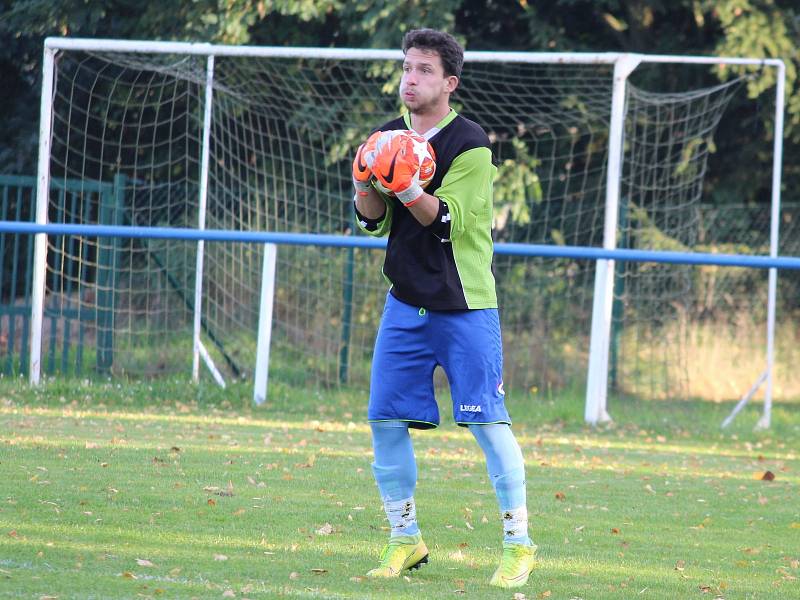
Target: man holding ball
{"points": [[441, 309]]}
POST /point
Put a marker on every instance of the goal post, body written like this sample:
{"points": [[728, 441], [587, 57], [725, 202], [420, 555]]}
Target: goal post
{"points": [[597, 384], [259, 139]]}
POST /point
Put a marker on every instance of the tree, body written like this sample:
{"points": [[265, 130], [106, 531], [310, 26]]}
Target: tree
{"points": [[758, 28]]}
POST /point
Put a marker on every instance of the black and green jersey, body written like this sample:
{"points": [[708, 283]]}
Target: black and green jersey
{"points": [[448, 264]]}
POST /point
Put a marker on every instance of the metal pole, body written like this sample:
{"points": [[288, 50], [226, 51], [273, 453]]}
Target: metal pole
{"points": [[597, 378], [777, 160], [42, 202], [201, 219], [265, 323], [347, 315]]}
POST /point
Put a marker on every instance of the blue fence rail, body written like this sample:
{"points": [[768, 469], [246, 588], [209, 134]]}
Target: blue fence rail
{"points": [[340, 241]]}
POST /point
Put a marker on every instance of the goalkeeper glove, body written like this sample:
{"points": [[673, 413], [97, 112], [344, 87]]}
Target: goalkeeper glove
{"points": [[362, 175], [396, 166]]}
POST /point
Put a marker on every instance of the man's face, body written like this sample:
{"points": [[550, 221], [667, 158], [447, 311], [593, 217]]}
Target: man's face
{"points": [[424, 86]]}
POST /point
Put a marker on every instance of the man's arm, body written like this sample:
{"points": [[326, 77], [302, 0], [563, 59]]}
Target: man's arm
{"points": [[466, 188], [466, 191], [373, 213], [425, 209], [370, 204]]}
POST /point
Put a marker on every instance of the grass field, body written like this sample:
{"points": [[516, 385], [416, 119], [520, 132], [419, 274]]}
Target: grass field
{"points": [[168, 490]]}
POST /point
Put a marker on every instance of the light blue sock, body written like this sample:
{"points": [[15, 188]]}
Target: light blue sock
{"points": [[395, 470], [506, 469]]}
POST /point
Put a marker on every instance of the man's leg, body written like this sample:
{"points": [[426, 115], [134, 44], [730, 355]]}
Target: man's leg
{"points": [[395, 471], [506, 469]]}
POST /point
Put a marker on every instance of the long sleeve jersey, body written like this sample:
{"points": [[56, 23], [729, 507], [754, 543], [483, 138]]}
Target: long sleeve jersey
{"points": [[448, 264]]}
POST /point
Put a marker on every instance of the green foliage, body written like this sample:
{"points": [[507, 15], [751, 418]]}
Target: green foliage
{"points": [[759, 28], [517, 186]]}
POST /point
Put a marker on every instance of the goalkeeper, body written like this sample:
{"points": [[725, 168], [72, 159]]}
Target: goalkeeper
{"points": [[441, 308]]}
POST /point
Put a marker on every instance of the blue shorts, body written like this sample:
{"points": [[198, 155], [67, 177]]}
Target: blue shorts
{"points": [[413, 341]]}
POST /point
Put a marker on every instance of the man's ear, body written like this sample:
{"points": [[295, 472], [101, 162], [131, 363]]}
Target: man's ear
{"points": [[451, 83]]}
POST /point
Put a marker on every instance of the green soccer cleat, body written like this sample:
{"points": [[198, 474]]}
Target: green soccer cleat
{"points": [[515, 566], [402, 552]]}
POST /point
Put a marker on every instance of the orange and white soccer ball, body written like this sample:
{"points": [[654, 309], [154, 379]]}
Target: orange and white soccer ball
{"points": [[409, 144]]}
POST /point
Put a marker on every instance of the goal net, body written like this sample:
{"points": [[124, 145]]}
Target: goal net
{"points": [[128, 147]]}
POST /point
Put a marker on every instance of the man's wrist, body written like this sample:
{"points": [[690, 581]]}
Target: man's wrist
{"points": [[410, 195], [362, 187]]}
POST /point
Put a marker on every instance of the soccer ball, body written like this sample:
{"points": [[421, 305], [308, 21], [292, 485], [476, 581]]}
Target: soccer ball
{"points": [[410, 145]]}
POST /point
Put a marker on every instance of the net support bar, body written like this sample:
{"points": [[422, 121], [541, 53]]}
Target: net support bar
{"points": [[210, 364], [42, 201], [746, 398], [597, 377], [265, 323], [201, 225]]}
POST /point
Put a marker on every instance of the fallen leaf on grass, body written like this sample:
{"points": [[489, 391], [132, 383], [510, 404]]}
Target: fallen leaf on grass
{"points": [[560, 496], [294, 575], [220, 557], [358, 579], [308, 464], [326, 529], [229, 594], [129, 575], [143, 562], [767, 476], [545, 594], [615, 530], [319, 571], [680, 565]]}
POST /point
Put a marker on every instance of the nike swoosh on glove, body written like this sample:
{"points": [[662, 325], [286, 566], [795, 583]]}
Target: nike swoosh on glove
{"points": [[396, 166], [362, 174]]}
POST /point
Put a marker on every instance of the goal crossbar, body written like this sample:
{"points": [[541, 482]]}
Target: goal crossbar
{"points": [[205, 49]]}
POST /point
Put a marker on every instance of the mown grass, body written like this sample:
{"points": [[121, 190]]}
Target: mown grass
{"points": [[169, 490]]}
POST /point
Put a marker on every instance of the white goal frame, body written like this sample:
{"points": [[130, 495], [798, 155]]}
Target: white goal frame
{"points": [[623, 63]]}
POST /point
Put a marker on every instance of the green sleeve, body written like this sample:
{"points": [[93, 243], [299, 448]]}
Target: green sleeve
{"points": [[384, 225], [467, 190]]}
